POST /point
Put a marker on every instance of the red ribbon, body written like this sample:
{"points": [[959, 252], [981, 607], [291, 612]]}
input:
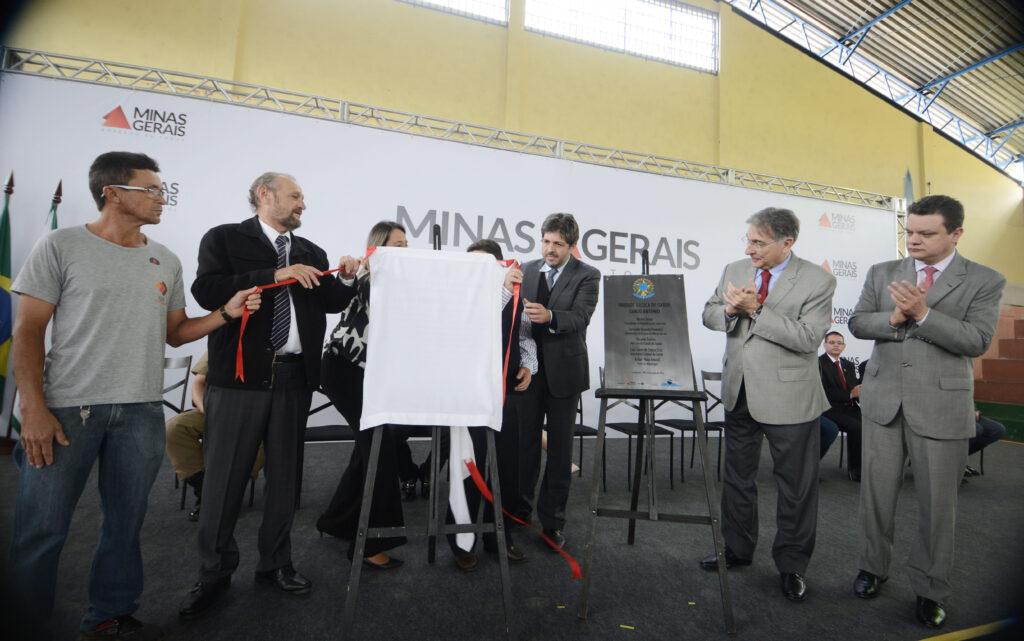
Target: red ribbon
{"points": [[239, 366], [486, 493], [511, 262]]}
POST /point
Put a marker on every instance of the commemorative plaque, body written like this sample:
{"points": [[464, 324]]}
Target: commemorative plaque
{"points": [[646, 342]]}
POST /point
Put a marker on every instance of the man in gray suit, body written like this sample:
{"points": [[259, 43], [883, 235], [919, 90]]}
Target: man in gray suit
{"points": [[929, 314], [559, 296], [775, 309]]}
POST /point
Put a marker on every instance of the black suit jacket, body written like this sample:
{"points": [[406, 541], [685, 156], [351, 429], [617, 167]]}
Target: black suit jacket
{"points": [[837, 396], [572, 303], [238, 256]]}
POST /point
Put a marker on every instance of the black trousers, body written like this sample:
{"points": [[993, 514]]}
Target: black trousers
{"points": [[237, 421], [795, 456], [848, 419], [342, 382], [538, 404]]}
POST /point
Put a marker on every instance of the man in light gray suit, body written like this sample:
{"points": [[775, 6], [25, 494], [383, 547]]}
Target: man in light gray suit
{"points": [[775, 309], [929, 314]]}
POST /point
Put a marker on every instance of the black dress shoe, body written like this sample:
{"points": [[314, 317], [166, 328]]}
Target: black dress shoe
{"points": [[556, 537], [515, 555], [867, 585], [710, 563], [793, 586], [123, 627], [425, 488], [408, 490], [931, 613], [286, 579], [193, 514], [391, 564], [970, 471], [466, 562], [201, 597]]}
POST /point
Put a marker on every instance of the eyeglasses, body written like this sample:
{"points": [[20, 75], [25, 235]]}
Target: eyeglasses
{"points": [[756, 244], [156, 193]]}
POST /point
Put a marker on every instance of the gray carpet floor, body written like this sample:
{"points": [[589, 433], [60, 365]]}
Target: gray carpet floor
{"points": [[651, 590]]}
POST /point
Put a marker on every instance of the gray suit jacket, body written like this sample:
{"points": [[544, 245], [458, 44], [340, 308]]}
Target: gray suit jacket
{"points": [[776, 358], [927, 369], [572, 303]]}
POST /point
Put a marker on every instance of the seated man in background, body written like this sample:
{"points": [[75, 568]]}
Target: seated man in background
{"points": [[829, 432], [185, 436], [986, 433], [839, 378]]}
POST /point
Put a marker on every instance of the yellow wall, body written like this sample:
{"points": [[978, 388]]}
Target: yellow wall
{"points": [[771, 108]]}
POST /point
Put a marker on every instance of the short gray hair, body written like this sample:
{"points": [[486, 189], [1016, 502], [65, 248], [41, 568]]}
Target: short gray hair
{"points": [[265, 179], [781, 223]]}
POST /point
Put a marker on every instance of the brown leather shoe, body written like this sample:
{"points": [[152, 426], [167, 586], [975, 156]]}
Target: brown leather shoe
{"points": [[466, 562], [515, 555]]}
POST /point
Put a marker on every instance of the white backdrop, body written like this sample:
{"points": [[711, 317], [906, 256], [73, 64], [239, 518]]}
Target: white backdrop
{"points": [[353, 176]]}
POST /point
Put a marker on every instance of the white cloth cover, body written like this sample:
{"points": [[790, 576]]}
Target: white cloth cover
{"points": [[435, 355], [434, 339], [461, 450]]}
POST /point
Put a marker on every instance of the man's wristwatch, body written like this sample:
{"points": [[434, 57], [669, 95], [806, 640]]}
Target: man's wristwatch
{"points": [[224, 313], [754, 314]]}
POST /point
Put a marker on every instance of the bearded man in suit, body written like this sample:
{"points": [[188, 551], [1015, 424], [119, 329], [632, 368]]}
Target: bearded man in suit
{"points": [[560, 294], [930, 315], [774, 309]]}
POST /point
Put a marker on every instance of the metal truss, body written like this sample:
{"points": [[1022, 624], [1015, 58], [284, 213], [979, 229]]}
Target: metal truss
{"points": [[36, 63], [919, 101]]}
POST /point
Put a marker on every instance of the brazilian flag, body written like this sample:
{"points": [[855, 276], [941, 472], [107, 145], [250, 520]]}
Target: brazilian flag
{"points": [[6, 323]]}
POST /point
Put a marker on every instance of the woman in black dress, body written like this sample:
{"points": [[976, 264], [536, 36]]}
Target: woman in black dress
{"points": [[341, 376]]}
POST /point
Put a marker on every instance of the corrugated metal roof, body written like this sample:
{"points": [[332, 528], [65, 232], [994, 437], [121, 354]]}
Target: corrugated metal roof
{"points": [[926, 41]]}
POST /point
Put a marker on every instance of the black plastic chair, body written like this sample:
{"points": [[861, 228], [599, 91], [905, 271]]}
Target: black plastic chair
{"points": [[687, 425]]}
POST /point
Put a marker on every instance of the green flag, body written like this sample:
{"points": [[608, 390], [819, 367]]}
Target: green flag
{"points": [[6, 322], [52, 215]]}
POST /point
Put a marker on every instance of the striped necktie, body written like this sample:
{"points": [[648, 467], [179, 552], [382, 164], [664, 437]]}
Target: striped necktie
{"points": [[282, 307]]}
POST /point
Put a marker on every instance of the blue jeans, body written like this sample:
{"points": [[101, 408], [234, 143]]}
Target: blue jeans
{"points": [[829, 432], [128, 439]]}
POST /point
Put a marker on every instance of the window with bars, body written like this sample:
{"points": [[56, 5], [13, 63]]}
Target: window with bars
{"points": [[495, 11], [661, 30]]}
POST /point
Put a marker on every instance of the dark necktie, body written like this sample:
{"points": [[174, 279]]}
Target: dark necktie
{"points": [[551, 279], [282, 309], [762, 293], [842, 379]]}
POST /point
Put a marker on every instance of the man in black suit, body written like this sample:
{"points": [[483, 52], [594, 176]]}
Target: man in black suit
{"points": [[560, 295], [839, 378], [269, 401]]}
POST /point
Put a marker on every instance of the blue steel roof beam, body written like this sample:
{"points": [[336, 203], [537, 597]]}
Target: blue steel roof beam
{"points": [[1011, 125], [1012, 129], [942, 82], [859, 33], [901, 94]]}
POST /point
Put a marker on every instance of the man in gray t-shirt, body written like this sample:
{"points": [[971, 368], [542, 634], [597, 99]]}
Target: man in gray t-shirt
{"points": [[113, 298]]}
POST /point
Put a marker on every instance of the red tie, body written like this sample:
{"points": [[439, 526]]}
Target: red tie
{"points": [[929, 278], [762, 293], [842, 379]]}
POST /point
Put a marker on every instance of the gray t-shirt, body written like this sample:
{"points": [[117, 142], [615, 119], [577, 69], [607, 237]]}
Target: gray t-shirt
{"points": [[109, 324]]}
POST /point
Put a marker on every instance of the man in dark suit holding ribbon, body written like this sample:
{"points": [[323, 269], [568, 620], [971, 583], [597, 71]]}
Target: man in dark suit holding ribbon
{"points": [[560, 294], [261, 381]]}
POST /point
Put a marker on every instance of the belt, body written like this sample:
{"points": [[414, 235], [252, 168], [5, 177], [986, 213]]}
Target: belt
{"points": [[280, 359]]}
